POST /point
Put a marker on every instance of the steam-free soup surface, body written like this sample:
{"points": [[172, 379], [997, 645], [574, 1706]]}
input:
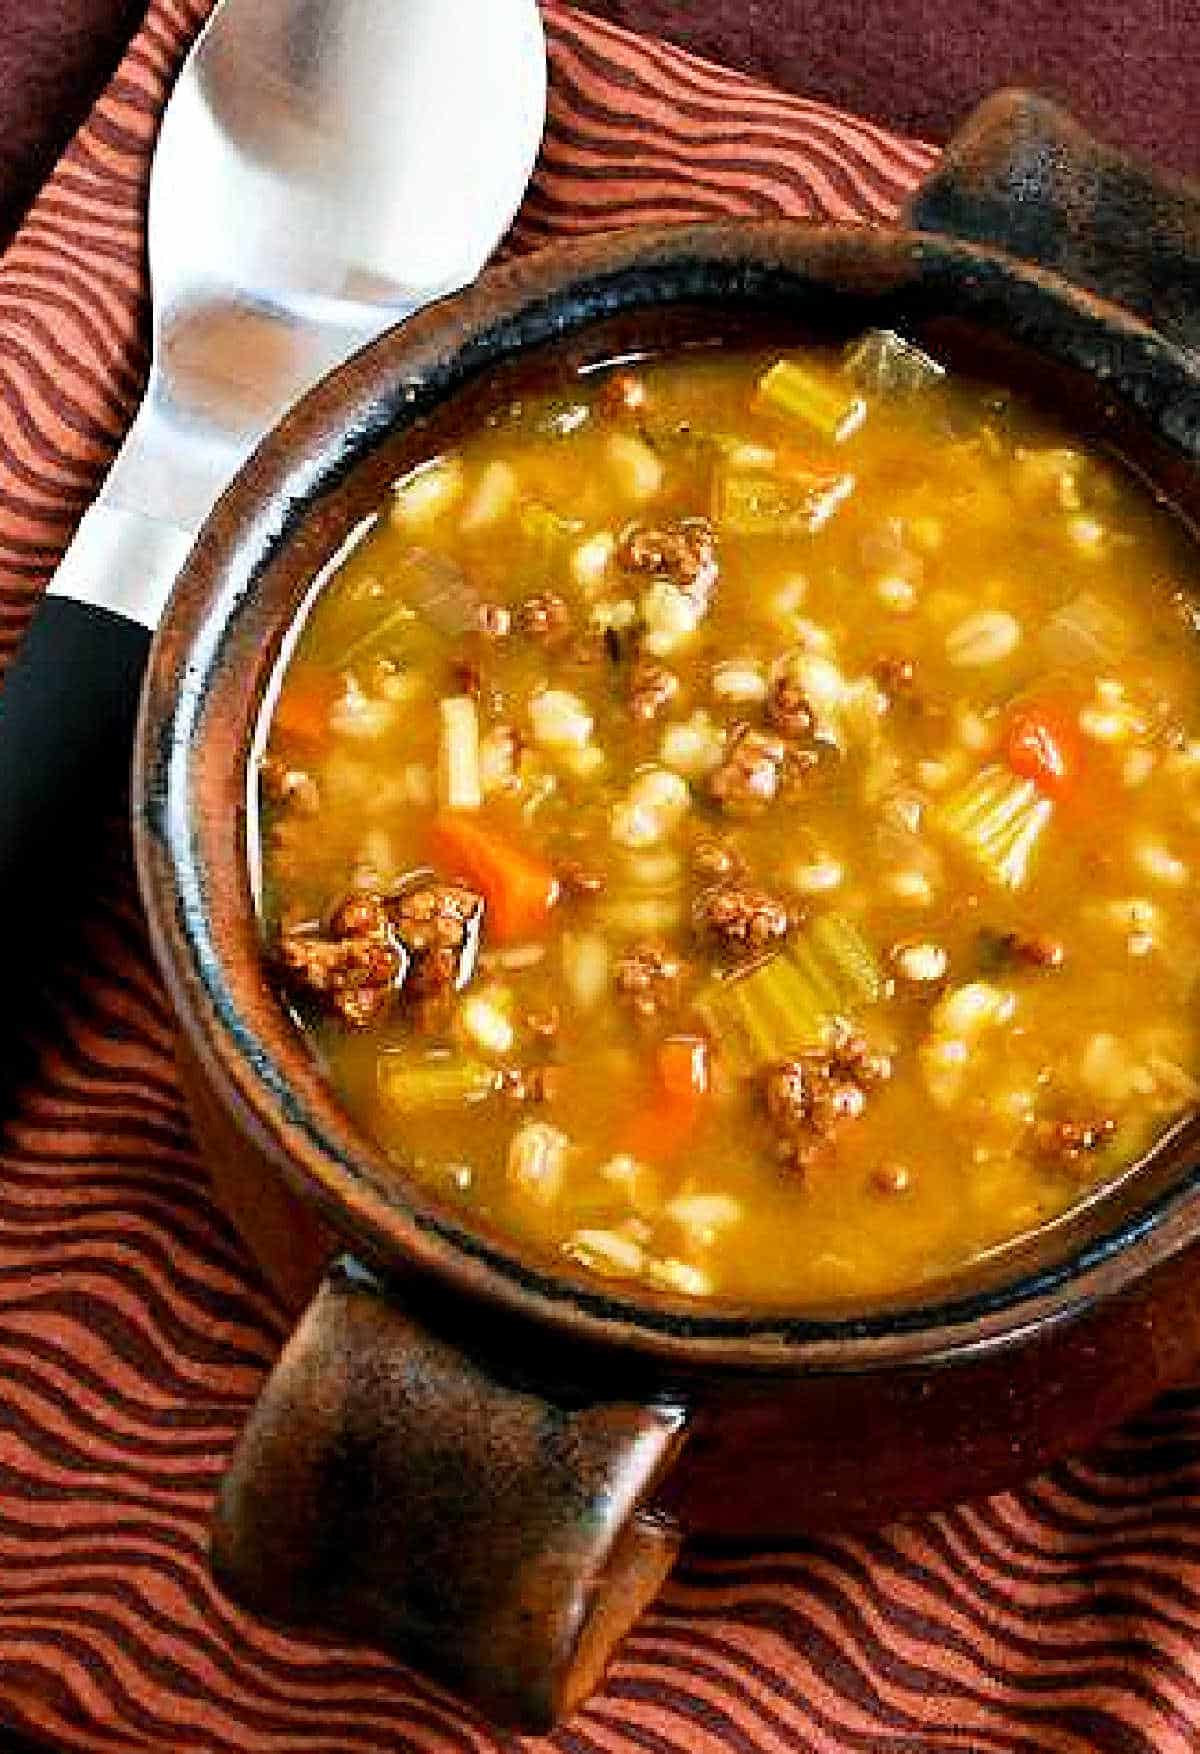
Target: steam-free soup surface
{"points": [[732, 823]]}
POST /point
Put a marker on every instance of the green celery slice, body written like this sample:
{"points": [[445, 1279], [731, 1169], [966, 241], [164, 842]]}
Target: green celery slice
{"points": [[546, 527], [765, 502], [429, 598], [819, 981], [804, 395], [997, 819], [843, 948], [786, 1004], [434, 1083]]}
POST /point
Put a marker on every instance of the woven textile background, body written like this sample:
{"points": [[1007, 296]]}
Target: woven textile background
{"points": [[134, 1332]]}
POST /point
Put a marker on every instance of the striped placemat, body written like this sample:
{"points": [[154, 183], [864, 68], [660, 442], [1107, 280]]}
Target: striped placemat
{"points": [[134, 1332]]}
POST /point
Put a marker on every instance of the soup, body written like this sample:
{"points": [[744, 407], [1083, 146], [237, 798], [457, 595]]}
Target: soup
{"points": [[730, 823]]}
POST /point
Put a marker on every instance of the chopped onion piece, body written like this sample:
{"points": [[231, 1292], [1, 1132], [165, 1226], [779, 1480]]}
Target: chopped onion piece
{"points": [[887, 364], [494, 493], [585, 962], [638, 472], [423, 496], [459, 783], [537, 1159], [560, 720]]}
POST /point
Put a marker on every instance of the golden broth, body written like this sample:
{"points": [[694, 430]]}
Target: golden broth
{"points": [[889, 833]]}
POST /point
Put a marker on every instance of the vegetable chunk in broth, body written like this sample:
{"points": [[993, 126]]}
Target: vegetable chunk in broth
{"points": [[731, 824]]}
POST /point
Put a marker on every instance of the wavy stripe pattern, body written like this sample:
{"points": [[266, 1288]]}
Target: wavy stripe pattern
{"points": [[134, 1332]]}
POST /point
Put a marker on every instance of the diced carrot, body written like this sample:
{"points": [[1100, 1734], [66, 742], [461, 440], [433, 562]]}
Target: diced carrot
{"points": [[663, 1130], [682, 1063], [304, 704], [1040, 743], [519, 888]]}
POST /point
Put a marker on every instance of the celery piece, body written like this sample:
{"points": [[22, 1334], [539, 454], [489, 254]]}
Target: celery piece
{"points": [[844, 952], [776, 1020], [763, 1014], [546, 536], [997, 819], [760, 502], [818, 980], [381, 638], [545, 527], [804, 395], [888, 365], [784, 1005], [427, 595], [786, 1009], [444, 1082]]}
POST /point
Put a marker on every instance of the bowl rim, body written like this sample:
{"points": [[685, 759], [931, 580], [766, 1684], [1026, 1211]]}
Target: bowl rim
{"points": [[257, 1067]]}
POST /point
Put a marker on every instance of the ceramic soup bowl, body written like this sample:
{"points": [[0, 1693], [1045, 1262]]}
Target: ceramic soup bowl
{"points": [[480, 1462]]}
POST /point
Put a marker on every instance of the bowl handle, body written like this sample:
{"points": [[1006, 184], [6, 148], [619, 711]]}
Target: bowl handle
{"points": [[1023, 175], [389, 1486]]}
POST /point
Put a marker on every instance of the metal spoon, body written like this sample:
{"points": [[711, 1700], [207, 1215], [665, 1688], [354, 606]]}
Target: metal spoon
{"points": [[324, 168]]}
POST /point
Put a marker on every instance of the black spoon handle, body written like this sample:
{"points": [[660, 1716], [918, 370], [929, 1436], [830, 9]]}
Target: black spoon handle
{"points": [[67, 711], [69, 700]]}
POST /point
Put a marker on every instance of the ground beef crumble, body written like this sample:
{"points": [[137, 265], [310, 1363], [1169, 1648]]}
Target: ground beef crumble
{"points": [[788, 709], [438, 923], [652, 686], [1064, 1142], [748, 778], [649, 977], [740, 917], [423, 941], [811, 1096], [683, 551], [758, 767], [545, 617], [354, 968]]}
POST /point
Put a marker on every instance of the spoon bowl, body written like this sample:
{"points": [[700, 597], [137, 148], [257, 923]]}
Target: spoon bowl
{"points": [[322, 171], [351, 124], [324, 168]]}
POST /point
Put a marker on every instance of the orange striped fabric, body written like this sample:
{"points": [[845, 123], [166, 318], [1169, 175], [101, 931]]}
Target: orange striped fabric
{"points": [[134, 1332]]}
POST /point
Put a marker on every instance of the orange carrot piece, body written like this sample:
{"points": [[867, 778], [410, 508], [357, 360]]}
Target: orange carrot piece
{"points": [[1040, 742], [302, 710], [519, 888], [682, 1063], [662, 1131]]}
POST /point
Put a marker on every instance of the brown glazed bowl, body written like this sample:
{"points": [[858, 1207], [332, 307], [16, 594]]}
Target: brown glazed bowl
{"points": [[482, 1462]]}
